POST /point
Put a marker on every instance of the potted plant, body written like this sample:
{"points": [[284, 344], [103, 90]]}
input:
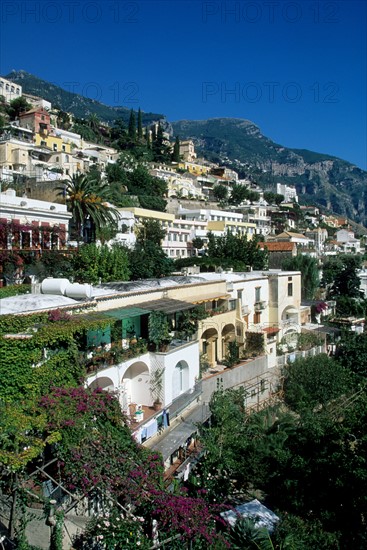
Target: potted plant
{"points": [[156, 387], [159, 332]]}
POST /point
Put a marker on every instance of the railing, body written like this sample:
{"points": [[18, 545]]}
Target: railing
{"points": [[291, 322], [260, 305], [218, 311], [114, 356], [179, 342], [282, 360]]}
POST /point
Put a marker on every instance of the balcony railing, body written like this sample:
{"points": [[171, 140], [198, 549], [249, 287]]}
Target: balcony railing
{"points": [[260, 305], [218, 310], [114, 356], [290, 357]]}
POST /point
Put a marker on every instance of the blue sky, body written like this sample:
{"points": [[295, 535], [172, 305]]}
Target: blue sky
{"points": [[297, 69]]}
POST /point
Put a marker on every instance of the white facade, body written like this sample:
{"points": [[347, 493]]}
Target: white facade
{"points": [[362, 274], [67, 136], [346, 239], [257, 214], [29, 210], [131, 378], [289, 192], [318, 236], [210, 215], [38, 102], [126, 228], [10, 90]]}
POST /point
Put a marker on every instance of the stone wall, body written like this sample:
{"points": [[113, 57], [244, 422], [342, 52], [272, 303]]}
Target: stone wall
{"points": [[248, 374]]}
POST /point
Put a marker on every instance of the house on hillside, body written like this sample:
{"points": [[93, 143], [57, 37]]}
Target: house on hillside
{"points": [[10, 90], [297, 238], [347, 241], [278, 252], [289, 192], [319, 236], [187, 150]]}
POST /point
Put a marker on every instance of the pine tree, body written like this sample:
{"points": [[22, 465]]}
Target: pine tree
{"points": [[140, 125], [132, 125], [176, 151]]}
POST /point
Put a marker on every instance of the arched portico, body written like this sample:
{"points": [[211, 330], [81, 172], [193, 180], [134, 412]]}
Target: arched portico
{"points": [[136, 383], [228, 335], [290, 315], [104, 383], [209, 342], [290, 325]]}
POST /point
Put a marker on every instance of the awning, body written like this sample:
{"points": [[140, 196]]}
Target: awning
{"points": [[167, 305], [126, 312], [210, 297]]}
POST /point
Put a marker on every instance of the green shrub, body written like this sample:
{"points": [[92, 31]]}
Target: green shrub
{"points": [[14, 290]]}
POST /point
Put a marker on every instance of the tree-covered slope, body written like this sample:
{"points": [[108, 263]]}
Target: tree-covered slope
{"points": [[74, 103], [327, 181]]}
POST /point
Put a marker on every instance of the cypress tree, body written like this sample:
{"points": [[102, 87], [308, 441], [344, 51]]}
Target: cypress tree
{"points": [[140, 125], [159, 136], [176, 151], [132, 125]]}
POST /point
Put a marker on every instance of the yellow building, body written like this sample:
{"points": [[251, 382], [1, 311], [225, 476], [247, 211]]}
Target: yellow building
{"points": [[52, 142], [142, 214], [235, 227], [193, 168]]}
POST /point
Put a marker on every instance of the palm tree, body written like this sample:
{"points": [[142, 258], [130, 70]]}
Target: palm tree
{"points": [[86, 199], [93, 122]]}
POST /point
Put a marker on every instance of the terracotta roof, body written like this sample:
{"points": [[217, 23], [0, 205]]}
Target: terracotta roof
{"points": [[271, 330], [278, 247], [34, 110]]}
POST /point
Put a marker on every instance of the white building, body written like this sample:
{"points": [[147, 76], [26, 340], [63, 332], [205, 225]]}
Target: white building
{"points": [[9, 89], [256, 213], [179, 185], [289, 192], [32, 223], [347, 241], [319, 236], [36, 101]]}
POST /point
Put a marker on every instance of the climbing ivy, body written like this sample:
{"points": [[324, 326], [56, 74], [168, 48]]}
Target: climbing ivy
{"points": [[37, 354]]}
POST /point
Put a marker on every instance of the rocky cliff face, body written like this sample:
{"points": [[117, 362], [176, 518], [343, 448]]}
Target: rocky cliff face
{"points": [[323, 180]]}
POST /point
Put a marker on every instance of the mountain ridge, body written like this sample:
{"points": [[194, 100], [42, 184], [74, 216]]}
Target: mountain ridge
{"points": [[321, 179]]}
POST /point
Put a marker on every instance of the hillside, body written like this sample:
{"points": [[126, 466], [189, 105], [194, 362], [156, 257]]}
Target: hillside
{"points": [[324, 180], [329, 182], [76, 104]]}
